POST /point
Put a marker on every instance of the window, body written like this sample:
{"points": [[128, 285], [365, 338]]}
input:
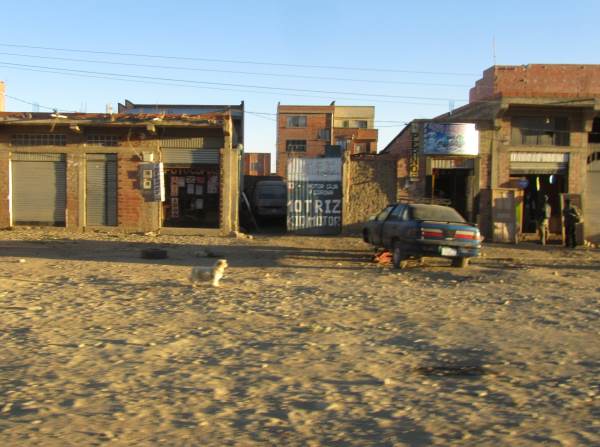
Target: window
{"points": [[295, 145], [324, 134], [361, 148], [398, 213], [103, 140], [385, 213], [342, 143], [296, 121], [540, 131], [39, 139], [594, 135], [361, 124]]}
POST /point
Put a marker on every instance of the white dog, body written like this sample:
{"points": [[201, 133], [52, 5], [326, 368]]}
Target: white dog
{"points": [[212, 274]]}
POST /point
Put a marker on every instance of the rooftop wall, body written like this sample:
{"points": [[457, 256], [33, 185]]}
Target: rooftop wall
{"points": [[537, 80]]}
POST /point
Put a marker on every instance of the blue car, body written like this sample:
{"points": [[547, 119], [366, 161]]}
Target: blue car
{"points": [[414, 230]]}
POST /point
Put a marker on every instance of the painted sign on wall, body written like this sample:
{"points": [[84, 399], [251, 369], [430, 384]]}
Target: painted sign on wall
{"points": [[314, 195], [450, 139]]}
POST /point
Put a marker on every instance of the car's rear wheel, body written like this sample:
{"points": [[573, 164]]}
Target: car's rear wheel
{"points": [[398, 259], [460, 262], [366, 236]]}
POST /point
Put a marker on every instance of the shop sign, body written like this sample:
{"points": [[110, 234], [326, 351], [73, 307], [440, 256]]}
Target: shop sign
{"points": [[314, 195], [450, 139]]}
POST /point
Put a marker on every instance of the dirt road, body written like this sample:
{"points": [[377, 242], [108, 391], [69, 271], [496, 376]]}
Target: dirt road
{"points": [[307, 342]]}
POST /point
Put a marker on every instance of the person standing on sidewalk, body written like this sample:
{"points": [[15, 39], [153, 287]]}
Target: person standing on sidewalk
{"points": [[571, 217], [544, 220]]}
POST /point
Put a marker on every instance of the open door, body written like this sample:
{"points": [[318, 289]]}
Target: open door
{"points": [[504, 215], [576, 201]]}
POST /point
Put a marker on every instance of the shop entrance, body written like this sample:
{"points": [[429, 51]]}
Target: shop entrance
{"points": [[450, 185], [192, 196], [535, 186]]}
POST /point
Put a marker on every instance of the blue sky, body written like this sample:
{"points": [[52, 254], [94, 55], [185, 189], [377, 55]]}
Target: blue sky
{"points": [[434, 52]]}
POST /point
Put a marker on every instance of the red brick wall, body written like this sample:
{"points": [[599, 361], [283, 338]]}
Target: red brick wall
{"points": [[129, 198], [538, 80], [317, 118], [262, 160]]}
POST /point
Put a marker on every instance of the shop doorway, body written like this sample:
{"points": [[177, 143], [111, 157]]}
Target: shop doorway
{"points": [[192, 196], [450, 185], [535, 187]]}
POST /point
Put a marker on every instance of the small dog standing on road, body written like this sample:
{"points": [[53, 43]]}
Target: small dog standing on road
{"points": [[212, 274]]}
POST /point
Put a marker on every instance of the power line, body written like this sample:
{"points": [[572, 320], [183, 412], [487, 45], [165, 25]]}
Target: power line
{"points": [[118, 77], [36, 104], [262, 87], [232, 61], [252, 73]]}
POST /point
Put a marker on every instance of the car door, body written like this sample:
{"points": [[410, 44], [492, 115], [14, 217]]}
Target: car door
{"points": [[375, 226], [392, 227]]}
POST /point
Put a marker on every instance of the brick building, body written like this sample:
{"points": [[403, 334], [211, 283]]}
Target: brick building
{"points": [[257, 163], [101, 170], [538, 133], [314, 131]]}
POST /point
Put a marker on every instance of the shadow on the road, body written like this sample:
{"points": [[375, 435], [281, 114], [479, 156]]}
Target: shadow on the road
{"points": [[237, 254]]}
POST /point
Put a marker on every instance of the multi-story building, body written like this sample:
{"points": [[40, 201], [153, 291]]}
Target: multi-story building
{"points": [[528, 131], [317, 131]]}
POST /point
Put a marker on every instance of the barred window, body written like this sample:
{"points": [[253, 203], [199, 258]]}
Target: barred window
{"points": [[39, 139], [296, 121], [295, 145], [103, 140]]}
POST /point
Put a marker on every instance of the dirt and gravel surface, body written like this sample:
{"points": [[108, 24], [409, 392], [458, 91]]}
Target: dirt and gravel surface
{"points": [[307, 343]]}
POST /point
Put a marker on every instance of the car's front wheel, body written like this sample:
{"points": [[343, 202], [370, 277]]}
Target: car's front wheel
{"points": [[460, 262], [398, 259]]}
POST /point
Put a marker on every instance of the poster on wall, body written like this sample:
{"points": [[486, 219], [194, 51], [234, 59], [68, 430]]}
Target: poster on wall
{"points": [[212, 185], [450, 139]]}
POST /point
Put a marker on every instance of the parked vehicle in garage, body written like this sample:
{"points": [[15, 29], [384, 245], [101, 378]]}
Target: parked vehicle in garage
{"points": [[414, 230]]}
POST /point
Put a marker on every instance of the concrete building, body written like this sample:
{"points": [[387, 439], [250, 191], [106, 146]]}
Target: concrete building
{"points": [[103, 171], [314, 131], [537, 133]]}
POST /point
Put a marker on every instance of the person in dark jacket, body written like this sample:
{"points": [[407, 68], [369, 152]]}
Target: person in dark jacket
{"points": [[544, 220], [571, 217]]}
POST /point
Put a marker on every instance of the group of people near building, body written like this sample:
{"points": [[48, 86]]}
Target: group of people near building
{"points": [[571, 217]]}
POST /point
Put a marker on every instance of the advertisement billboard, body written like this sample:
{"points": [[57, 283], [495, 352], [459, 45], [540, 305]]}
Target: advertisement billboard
{"points": [[450, 139]]}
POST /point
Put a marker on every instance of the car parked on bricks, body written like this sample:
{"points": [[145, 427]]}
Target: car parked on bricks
{"points": [[415, 230]]}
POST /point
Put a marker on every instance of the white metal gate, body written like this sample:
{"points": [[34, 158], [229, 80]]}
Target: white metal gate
{"points": [[38, 188]]}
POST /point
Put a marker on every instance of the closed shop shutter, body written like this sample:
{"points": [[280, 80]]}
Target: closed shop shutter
{"points": [[190, 156], [101, 189], [591, 211], [196, 150], [522, 163], [39, 187]]}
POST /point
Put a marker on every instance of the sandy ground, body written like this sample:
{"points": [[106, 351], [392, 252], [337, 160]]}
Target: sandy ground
{"points": [[307, 343]]}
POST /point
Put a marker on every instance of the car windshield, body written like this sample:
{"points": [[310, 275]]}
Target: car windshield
{"points": [[435, 212]]}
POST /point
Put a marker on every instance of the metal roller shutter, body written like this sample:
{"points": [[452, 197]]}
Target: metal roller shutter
{"points": [[39, 187], [193, 150], [101, 189]]}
